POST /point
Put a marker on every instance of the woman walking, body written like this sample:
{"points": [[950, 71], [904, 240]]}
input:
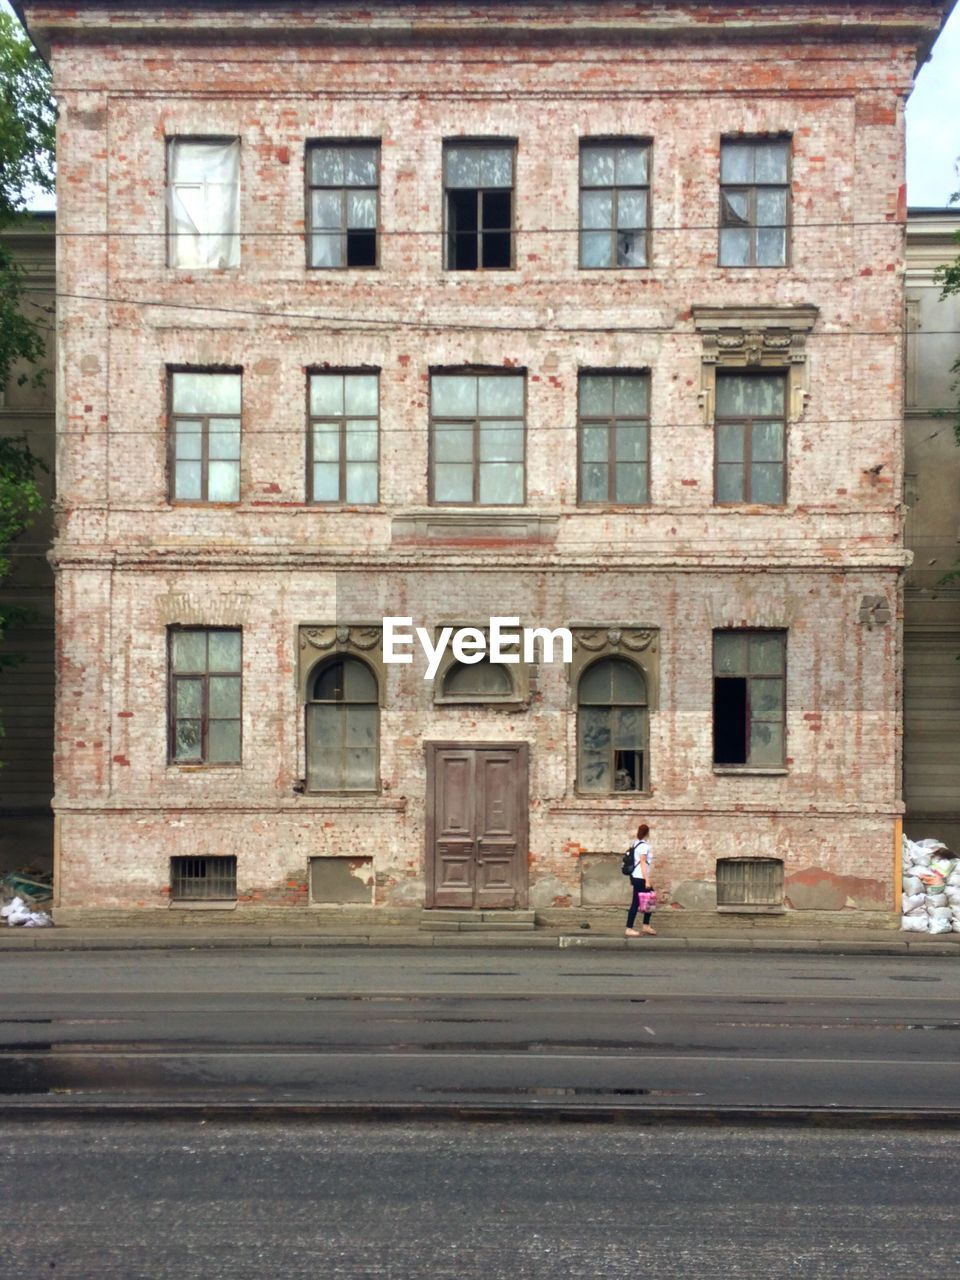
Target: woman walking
{"points": [[640, 879]]}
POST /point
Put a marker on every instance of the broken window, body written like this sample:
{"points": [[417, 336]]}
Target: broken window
{"points": [[614, 204], [205, 437], [342, 727], [203, 202], [750, 438], [611, 727], [614, 438], [343, 204], [204, 683], [754, 202], [477, 438], [749, 679], [478, 184], [343, 446]]}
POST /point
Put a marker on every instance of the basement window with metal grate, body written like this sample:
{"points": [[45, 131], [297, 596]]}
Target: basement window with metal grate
{"points": [[203, 879], [750, 884]]}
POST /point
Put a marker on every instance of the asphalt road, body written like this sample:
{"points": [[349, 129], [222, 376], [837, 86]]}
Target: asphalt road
{"points": [[98, 1200], [435, 1031]]}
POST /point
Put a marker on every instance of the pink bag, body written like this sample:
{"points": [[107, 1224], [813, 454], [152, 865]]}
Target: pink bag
{"points": [[647, 900]]}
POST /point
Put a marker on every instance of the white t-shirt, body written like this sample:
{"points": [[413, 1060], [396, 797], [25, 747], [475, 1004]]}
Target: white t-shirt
{"points": [[641, 849]]}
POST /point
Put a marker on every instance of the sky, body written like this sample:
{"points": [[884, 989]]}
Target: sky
{"points": [[933, 122]]}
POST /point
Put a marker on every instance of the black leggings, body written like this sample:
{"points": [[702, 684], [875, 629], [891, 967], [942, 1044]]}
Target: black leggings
{"points": [[639, 886]]}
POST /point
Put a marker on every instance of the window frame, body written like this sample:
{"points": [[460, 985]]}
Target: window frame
{"points": [[640, 143], [172, 236], [342, 500], [748, 423], [611, 423], [309, 231], [644, 750], [312, 676], [204, 419], [473, 371], [205, 717], [480, 144], [750, 190], [747, 766]]}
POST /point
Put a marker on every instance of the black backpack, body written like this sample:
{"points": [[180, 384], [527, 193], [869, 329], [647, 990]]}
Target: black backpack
{"points": [[626, 866]]}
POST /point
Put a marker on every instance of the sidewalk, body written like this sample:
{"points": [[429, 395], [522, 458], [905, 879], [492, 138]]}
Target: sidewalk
{"points": [[335, 933]]}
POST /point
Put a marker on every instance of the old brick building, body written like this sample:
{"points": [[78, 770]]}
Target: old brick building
{"points": [[586, 314]]}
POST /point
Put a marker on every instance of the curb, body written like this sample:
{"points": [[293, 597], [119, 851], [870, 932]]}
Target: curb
{"points": [[815, 1117], [35, 941]]}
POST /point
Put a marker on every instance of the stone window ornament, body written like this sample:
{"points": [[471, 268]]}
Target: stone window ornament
{"points": [[756, 339], [323, 640]]}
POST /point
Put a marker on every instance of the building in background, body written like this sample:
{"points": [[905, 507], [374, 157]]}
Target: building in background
{"points": [[932, 498], [593, 319], [27, 690]]}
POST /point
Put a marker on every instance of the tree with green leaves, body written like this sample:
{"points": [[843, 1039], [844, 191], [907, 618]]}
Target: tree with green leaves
{"points": [[27, 133]]}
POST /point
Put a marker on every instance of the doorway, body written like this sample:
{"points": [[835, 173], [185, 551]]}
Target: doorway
{"points": [[477, 825]]}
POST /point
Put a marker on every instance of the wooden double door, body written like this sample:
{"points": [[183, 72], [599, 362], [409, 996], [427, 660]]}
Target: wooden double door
{"points": [[477, 825]]}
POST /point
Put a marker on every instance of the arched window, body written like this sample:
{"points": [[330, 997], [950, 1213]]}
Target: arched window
{"points": [[463, 681], [343, 727], [612, 727]]}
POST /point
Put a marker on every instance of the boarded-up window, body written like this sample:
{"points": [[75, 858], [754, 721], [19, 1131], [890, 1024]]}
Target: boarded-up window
{"points": [[749, 882]]}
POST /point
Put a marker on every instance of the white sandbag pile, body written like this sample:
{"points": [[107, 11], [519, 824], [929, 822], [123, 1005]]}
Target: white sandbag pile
{"points": [[17, 912], [931, 887]]}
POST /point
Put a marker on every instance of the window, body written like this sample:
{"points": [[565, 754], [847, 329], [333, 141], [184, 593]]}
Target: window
{"points": [[204, 696], [343, 727], [477, 438], [343, 199], [343, 439], [483, 680], [614, 437], [749, 678], [614, 204], [203, 879], [203, 202], [611, 727], [751, 883], [754, 202], [205, 437], [750, 438], [478, 182]]}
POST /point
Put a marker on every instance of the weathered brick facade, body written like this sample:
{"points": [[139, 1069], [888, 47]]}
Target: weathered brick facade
{"points": [[825, 567]]}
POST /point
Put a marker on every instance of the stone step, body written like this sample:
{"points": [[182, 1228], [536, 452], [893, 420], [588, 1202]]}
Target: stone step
{"points": [[450, 920]]}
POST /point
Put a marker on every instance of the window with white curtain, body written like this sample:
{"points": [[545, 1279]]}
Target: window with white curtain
{"points": [[203, 202]]}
